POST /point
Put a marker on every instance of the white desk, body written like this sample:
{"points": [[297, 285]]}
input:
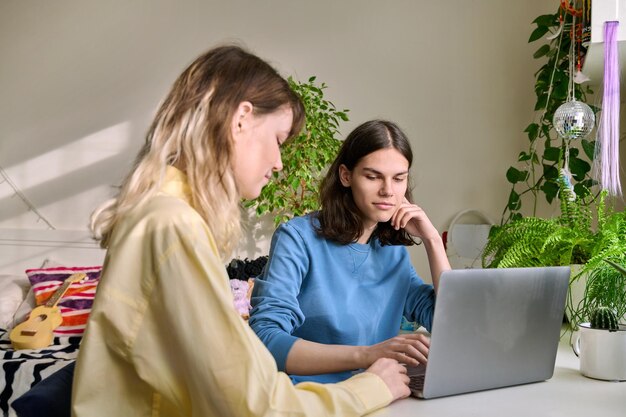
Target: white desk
{"points": [[566, 394]]}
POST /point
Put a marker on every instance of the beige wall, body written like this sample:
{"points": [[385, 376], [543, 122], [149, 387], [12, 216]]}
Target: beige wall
{"points": [[79, 81]]}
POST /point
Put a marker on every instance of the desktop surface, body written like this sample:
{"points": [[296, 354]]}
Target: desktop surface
{"points": [[567, 394]]}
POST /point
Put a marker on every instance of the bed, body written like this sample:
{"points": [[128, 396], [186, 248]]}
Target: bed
{"points": [[34, 263], [21, 250]]}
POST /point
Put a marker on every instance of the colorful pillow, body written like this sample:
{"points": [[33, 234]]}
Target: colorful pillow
{"points": [[75, 304]]}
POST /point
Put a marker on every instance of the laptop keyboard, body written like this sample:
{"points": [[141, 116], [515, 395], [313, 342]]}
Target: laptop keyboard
{"points": [[416, 382], [416, 378]]}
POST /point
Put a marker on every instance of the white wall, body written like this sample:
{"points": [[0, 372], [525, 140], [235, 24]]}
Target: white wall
{"points": [[79, 81]]}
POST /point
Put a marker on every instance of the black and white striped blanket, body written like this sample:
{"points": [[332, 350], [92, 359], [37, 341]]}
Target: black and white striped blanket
{"points": [[23, 369]]}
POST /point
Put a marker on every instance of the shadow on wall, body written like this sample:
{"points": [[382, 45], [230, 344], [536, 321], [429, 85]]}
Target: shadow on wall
{"points": [[257, 235], [57, 182]]}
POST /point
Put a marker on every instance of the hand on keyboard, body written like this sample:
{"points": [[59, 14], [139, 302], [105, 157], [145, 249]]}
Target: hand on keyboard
{"points": [[393, 375], [410, 349]]}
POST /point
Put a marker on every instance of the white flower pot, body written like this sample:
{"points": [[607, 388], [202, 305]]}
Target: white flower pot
{"points": [[602, 352]]}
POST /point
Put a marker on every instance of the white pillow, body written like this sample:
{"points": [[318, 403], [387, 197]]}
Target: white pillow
{"points": [[23, 311], [13, 290]]}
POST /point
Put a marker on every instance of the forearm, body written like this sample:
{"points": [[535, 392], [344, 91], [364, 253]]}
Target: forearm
{"points": [[437, 258], [310, 358]]}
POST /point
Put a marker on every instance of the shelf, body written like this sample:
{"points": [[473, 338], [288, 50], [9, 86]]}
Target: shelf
{"points": [[604, 11]]}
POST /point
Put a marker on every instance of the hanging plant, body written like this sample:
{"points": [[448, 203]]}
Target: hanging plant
{"points": [[537, 173]]}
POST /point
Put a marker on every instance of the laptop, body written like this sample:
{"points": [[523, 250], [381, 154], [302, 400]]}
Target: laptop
{"points": [[493, 328]]}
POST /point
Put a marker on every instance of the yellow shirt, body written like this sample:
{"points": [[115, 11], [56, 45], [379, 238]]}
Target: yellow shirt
{"points": [[164, 339]]}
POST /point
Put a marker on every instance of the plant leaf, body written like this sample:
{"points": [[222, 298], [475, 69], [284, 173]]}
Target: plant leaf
{"points": [[579, 168], [541, 51], [552, 154], [514, 201], [546, 20], [619, 267], [514, 175], [532, 130], [538, 33], [588, 147], [550, 189]]}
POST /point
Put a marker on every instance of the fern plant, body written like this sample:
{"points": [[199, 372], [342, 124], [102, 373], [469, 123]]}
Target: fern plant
{"points": [[605, 290], [570, 238], [610, 237], [534, 241]]}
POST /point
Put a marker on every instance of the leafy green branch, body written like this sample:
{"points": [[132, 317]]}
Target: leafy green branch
{"points": [[294, 191]]}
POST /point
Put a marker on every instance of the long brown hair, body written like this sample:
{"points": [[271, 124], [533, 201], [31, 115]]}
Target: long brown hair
{"points": [[191, 131], [340, 219]]}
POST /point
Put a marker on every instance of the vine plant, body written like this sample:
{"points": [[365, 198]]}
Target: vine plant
{"points": [[294, 190], [537, 171]]}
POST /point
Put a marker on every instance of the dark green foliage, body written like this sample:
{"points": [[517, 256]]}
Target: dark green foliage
{"points": [[538, 167], [603, 318]]}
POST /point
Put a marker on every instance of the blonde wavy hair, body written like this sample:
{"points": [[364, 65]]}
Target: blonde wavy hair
{"points": [[192, 131]]}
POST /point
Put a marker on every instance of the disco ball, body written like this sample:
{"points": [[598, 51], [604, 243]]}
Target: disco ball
{"points": [[573, 120]]}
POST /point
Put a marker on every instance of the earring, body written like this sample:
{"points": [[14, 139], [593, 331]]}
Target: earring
{"points": [[239, 127]]}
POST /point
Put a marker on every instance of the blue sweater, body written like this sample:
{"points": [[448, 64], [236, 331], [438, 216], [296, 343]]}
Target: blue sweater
{"points": [[322, 291]]}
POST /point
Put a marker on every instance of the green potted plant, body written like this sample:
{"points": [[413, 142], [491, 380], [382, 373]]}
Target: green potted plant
{"points": [[577, 237], [604, 301], [534, 241], [601, 339], [294, 190]]}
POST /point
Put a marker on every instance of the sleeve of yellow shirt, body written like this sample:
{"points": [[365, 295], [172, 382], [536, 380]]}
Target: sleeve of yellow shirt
{"points": [[221, 368]]}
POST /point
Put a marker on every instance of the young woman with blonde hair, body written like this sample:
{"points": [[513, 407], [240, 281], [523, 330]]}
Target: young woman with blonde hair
{"points": [[163, 337]]}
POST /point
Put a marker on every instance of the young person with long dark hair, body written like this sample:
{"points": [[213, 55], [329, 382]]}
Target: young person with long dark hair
{"points": [[337, 283]]}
